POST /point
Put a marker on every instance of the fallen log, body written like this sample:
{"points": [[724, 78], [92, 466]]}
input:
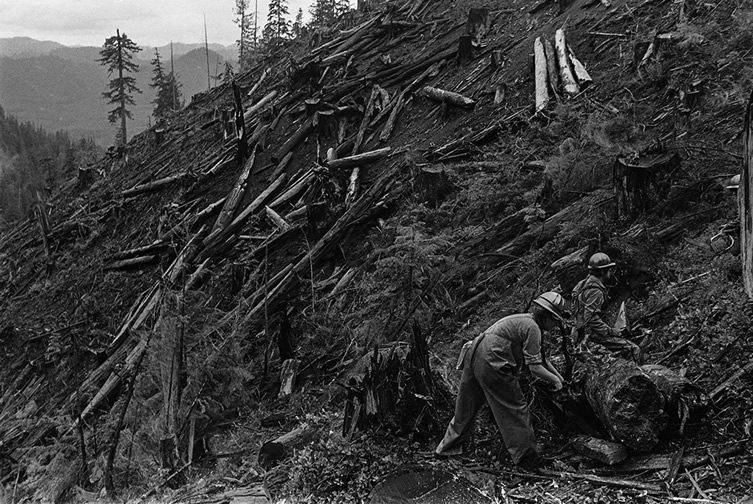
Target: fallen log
{"points": [[540, 73], [236, 195], [276, 219], [570, 269], [359, 159], [627, 402], [297, 137], [566, 76], [155, 248], [152, 186], [449, 97], [375, 94], [604, 451], [745, 202], [682, 398], [461, 144], [714, 394], [273, 452], [132, 263], [658, 462]]}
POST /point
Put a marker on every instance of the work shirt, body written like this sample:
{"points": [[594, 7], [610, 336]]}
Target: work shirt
{"points": [[590, 296], [511, 342]]}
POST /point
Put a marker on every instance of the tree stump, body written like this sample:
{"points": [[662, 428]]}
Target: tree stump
{"points": [[432, 185], [424, 485], [640, 184]]}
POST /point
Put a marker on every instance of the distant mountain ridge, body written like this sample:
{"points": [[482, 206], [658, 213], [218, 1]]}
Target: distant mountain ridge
{"points": [[61, 89], [24, 47]]}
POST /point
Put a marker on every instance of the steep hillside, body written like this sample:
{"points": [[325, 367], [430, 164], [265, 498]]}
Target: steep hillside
{"points": [[148, 345]]}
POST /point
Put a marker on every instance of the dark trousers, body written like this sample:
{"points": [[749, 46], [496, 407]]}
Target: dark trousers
{"points": [[501, 390]]}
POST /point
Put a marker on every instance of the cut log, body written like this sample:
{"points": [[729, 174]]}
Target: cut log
{"points": [[566, 75], [682, 398], [570, 269], [154, 248], [745, 202], [627, 402], [273, 452], [294, 189], [449, 97], [375, 94], [584, 79], [359, 159], [604, 451], [540, 72], [288, 375], [551, 65], [462, 144], [259, 82]]}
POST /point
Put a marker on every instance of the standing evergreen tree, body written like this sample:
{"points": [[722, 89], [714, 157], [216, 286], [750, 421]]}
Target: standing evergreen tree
{"points": [[298, 24], [247, 41], [322, 13], [168, 96], [117, 56], [278, 26]]}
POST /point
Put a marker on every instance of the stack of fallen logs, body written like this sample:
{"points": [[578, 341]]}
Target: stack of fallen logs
{"points": [[554, 65]]}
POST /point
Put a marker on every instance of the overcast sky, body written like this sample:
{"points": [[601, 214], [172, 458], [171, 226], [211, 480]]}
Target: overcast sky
{"points": [[146, 22]]}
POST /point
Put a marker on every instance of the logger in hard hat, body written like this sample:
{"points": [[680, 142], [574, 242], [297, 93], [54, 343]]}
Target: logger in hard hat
{"points": [[590, 298], [490, 374]]}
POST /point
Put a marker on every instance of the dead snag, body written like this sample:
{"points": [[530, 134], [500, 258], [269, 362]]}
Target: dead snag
{"points": [[627, 402], [551, 65], [584, 79], [392, 386], [288, 374]]}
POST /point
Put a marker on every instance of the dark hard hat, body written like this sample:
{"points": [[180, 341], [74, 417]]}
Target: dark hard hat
{"points": [[600, 261]]}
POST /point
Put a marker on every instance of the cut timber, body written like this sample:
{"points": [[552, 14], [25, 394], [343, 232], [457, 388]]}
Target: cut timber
{"points": [[259, 82], [551, 65], [627, 402], [570, 269], [235, 196], [607, 452], [745, 202], [540, 72], [449, 97], [568, 81], [375, 94], [288, 374], [584, 79], [273, 452], [359, 159]]}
